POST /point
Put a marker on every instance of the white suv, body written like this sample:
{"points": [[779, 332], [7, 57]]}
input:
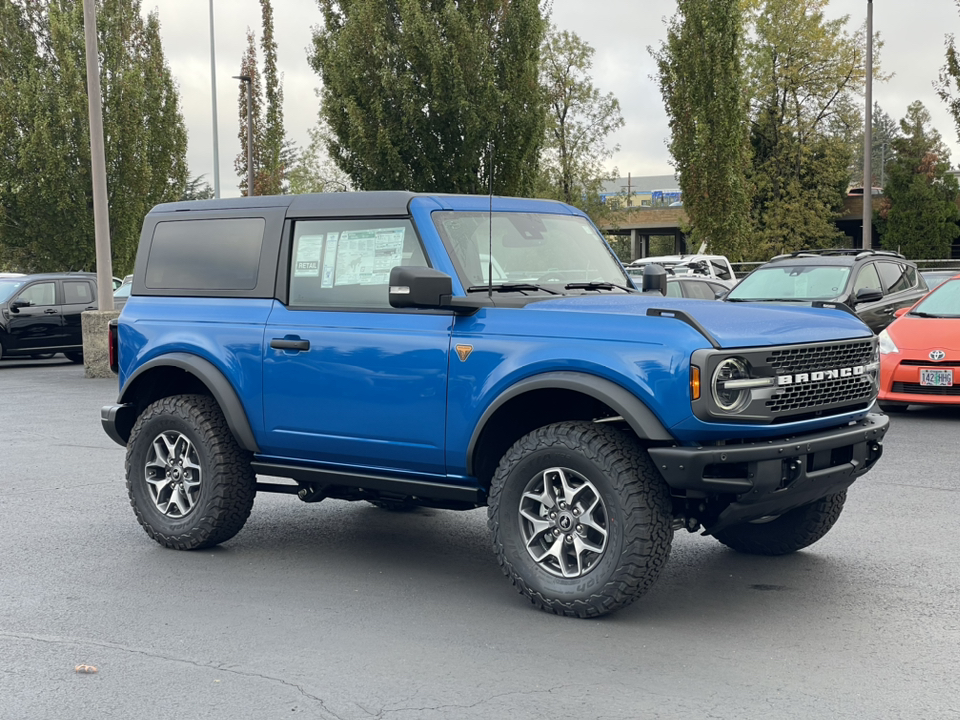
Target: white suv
{"points": [[715, 266]]}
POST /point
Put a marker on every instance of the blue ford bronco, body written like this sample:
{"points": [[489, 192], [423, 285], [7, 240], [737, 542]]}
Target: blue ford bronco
{"points": [[463, 351]]}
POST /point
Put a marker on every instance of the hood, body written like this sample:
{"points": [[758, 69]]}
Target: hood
{"points": [[920, 333], [731, 324]]}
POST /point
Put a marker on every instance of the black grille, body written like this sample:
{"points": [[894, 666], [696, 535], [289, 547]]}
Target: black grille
{"points": [[821, 357], [917, 389], [827, 392]]}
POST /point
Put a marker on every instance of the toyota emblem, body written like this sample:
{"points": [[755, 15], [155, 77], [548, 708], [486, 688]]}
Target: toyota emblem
{"points": [[937, 355]]}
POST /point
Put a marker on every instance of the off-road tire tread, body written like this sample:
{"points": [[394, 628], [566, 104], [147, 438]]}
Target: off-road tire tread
{"points": [[790, 532], [645, 502], [229, 483]]}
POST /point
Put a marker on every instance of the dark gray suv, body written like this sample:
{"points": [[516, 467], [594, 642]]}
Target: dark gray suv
{"points": [[40, 314], [871, 283]]}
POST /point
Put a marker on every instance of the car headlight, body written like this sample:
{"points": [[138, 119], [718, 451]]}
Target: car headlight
{"points": [[731, 385], [887, 345]]}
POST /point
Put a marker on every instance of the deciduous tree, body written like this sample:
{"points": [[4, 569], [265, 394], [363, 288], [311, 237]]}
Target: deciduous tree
{"points": [[579, 120], [45, 180], [415, 91]]}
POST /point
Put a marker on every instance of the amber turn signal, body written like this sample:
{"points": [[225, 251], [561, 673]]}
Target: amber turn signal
{"points": [[695, 382]]}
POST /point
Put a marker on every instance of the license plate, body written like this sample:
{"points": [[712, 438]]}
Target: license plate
{"points": [[936, 377]]}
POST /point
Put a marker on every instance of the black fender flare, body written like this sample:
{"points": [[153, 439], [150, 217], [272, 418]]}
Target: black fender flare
{"points": [[632, 409], [211, 376]]}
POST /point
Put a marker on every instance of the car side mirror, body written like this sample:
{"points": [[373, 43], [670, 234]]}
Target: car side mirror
{"points": [[17, 304], [419, 287], [901, 311], [866, 295], [654, 279]]}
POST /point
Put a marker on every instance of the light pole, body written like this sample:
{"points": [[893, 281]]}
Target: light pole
{"points": [[213, 91], [868, 138], [249, 82]]}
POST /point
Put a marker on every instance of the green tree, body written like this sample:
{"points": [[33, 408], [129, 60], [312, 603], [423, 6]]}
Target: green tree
{"points": [[579, 120], [315, 172], [918, 213], [197, 189], [45, 180], [885, 131], [701, 79], [415, 91], [805, 74], [948, 83], [249, 68]]}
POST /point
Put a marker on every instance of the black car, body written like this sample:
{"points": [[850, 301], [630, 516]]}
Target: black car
{"points": [[871, 283], [40, 314]]}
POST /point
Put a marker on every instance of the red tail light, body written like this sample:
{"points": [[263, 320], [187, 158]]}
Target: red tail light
{"points": [[114, 354]]}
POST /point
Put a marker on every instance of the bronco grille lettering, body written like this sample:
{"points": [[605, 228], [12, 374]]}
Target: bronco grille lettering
{"points": [[820, 375]]}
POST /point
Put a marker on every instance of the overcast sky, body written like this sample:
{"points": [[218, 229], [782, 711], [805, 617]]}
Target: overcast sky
{"points": [[619, 30]]}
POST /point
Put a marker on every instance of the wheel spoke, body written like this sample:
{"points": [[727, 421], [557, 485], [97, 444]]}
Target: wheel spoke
{"points": [[539, 524]]}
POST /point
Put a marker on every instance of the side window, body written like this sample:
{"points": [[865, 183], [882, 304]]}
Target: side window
{"points": [[347, 263], [699, 290], [219, 254], [673, 289], [896, 276], [868, 278], [40, 294], [77, 292], [721, 270]]}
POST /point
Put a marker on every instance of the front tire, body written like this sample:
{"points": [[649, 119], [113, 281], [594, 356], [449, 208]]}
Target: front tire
{"points": [[788, 533], [190, 484], [581, 520]]}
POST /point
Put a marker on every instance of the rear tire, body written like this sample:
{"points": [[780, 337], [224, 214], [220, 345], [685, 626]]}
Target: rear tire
{"points": [[190, 484], [788, 533], [581, 519]]}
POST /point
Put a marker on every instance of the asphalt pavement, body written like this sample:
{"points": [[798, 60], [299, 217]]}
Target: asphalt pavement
{"points": [[342, 611]]}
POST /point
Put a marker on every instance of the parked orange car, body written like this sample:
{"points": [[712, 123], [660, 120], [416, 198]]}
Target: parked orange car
{"points": [[920, 351]]}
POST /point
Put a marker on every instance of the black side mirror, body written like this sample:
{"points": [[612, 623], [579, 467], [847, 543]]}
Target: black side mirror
{"points": [[866, 295], [17, 304], [419, 287], [654, 279]]}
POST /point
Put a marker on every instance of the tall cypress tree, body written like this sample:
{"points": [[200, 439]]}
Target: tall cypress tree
{"points": [[701, 80]]}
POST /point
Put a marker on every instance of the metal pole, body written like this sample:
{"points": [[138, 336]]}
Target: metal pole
{"points": [[249, 136], [213, 93], [101, 216], [868, 138]]}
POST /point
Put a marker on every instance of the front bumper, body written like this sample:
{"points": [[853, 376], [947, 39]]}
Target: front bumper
{"points": [[771, 477]]}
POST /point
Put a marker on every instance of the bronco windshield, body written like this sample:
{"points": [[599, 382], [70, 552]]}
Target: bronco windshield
{"points": [[792, 282], [535, 248]]}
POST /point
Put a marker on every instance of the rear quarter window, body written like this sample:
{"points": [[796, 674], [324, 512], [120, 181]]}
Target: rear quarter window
{"points": [[215, 254]]}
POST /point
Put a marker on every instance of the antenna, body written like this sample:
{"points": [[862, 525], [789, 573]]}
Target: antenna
{"points": [[490, 223]]}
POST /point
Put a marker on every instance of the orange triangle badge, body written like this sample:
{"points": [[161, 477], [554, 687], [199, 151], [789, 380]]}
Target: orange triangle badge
{"points": [[463, 352]]}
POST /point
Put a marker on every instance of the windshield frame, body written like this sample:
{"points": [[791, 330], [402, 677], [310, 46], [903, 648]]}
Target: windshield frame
{"points": [[614, 273]]}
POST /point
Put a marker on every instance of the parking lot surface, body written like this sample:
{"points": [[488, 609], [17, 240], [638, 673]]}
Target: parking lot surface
{"points": [[342, 611]]}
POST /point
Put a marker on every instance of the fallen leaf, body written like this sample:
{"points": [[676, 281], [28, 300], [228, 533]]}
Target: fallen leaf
{"points": [[85, 669]]}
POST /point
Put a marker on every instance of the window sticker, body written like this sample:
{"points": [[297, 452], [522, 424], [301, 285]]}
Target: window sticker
{"points": [[330, 260], [307, 262], [365, 257]]}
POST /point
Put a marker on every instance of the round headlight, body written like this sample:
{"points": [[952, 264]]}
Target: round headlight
{"points": [[730, 399]]}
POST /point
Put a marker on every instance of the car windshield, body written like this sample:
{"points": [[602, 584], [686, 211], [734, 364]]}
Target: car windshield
{"points": [[792, 282], [8, 287], [529, 248], [944, 301]]}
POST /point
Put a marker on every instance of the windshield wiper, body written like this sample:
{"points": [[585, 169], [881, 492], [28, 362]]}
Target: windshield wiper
{"points": [[783, 300], [597, 285], [511, 287], [930, 315]]}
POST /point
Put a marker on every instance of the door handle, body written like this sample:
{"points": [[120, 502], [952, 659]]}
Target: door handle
{"points": [[49, 311], [888, 310], [290, 344]]}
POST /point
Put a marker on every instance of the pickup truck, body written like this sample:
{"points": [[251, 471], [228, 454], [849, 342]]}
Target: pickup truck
{"points": [[461, 352]]}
